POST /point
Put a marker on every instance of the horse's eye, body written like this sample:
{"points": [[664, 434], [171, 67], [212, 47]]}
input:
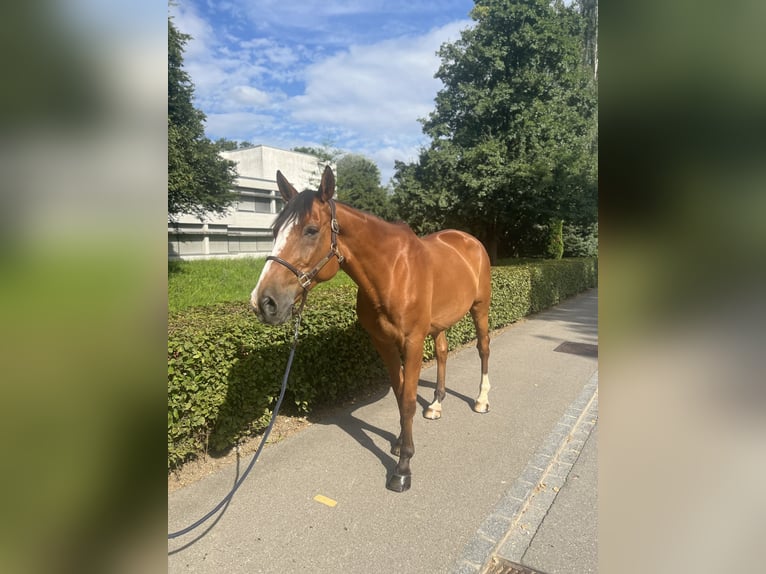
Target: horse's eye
{"points": [[310, 231]]}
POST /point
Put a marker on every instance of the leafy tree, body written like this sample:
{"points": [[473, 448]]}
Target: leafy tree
{"points": [[324, 153], [419, 198], [225, 144], [512, 132], [555, 247], [359, 186], [580, 240], [199, 179]]}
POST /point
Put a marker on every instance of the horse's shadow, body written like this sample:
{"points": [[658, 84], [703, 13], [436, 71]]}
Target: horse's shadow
{"points": [[361, 430]]}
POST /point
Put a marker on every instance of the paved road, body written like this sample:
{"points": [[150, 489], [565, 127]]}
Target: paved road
{"points": [[518, 483]]}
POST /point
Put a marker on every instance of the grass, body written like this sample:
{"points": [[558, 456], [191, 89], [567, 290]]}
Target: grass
{"points": [[210, 281]]}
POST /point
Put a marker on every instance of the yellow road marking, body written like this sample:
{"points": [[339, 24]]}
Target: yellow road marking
{"points": [[324, 500]]}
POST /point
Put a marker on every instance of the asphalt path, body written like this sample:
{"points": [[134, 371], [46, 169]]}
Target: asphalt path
{"points": [[518, 483]]}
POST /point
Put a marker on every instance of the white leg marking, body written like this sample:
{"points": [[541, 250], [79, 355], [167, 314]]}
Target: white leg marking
{"points": [[482, 401], [434, 410]]}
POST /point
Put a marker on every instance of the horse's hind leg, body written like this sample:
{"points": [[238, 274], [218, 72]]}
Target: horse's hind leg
{"points": [[480, 315], [434, 410]]}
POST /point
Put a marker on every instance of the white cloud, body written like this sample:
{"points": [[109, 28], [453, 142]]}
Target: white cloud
{"points": [[380, 89], [228, 76], [365, 98], [340, 20], [376, 94], [187, 21], [249, 96], [267, 50], [240, 125]]}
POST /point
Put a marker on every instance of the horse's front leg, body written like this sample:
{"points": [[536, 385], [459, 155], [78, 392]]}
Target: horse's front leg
{"points": [[401, 480]]}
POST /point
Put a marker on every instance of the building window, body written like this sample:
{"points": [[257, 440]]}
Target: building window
{"points": [[246, 203], [262, 205]]}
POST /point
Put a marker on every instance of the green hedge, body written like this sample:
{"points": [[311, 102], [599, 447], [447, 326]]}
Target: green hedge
{"points": [[225, 368]]}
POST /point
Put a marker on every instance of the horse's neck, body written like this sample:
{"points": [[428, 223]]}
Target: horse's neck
{"points": [[369, 244]]}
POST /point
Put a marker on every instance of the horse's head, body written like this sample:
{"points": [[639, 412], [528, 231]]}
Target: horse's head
{"points": [[305, 249]]}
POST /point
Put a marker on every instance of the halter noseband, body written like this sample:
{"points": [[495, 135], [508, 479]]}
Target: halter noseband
{"points": [[305, 279]]}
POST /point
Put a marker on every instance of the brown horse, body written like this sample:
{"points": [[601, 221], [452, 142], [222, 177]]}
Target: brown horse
{"points": [[409, 288]]}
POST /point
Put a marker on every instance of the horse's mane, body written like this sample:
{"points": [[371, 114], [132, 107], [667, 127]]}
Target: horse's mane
{"points": [[298, 208]]}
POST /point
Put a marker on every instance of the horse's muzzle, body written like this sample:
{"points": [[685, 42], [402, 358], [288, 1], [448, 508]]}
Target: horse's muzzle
{"points": [[271, 310]]}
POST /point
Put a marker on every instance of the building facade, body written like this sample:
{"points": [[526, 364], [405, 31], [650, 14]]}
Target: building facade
{"points": [[245, 229]]}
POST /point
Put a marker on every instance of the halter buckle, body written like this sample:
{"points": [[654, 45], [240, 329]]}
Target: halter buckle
{"points": [[304, 280]]}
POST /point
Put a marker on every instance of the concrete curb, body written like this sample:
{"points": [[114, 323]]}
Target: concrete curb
{"points": [[508, 530]]}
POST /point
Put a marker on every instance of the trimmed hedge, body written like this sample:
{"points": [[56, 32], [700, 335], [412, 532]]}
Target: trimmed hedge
{"points": [[225, 368]]}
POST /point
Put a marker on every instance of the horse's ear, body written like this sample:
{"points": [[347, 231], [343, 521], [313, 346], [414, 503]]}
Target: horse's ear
{"points": [[327, 187], [285, 187]]}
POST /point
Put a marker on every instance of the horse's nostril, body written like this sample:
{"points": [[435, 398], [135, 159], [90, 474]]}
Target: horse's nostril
{"points": [[268, 305]]}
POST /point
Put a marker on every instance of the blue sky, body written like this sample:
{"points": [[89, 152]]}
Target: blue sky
{"points": [[353, 73]]}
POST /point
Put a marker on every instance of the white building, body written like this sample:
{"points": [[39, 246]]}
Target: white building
{"points": [[245, 229]]}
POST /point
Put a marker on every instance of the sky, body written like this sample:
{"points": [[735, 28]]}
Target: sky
{"points": [[352, 74]]}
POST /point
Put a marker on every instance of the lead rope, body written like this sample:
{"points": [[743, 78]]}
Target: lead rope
{"points": [[239, 482]]}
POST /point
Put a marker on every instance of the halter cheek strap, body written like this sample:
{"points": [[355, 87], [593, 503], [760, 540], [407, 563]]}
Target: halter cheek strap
{"points": [[305, 279]]}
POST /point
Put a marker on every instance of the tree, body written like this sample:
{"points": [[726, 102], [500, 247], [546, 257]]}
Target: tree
{"points": [[325, 153], [359, 186], [512, 132], [419, 198], [199, 179], [225, 144], [580, 241]]}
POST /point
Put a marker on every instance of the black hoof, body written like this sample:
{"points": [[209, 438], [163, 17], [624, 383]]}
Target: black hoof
{"points": [[399, 483]]}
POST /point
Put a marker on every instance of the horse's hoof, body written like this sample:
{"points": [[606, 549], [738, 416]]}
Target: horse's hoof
{"points": [[481, 407], [432, 414], [399, 483], [396, 449]]}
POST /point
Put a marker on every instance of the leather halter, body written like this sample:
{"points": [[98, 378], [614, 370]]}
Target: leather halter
{"points": [[305, 279]]}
